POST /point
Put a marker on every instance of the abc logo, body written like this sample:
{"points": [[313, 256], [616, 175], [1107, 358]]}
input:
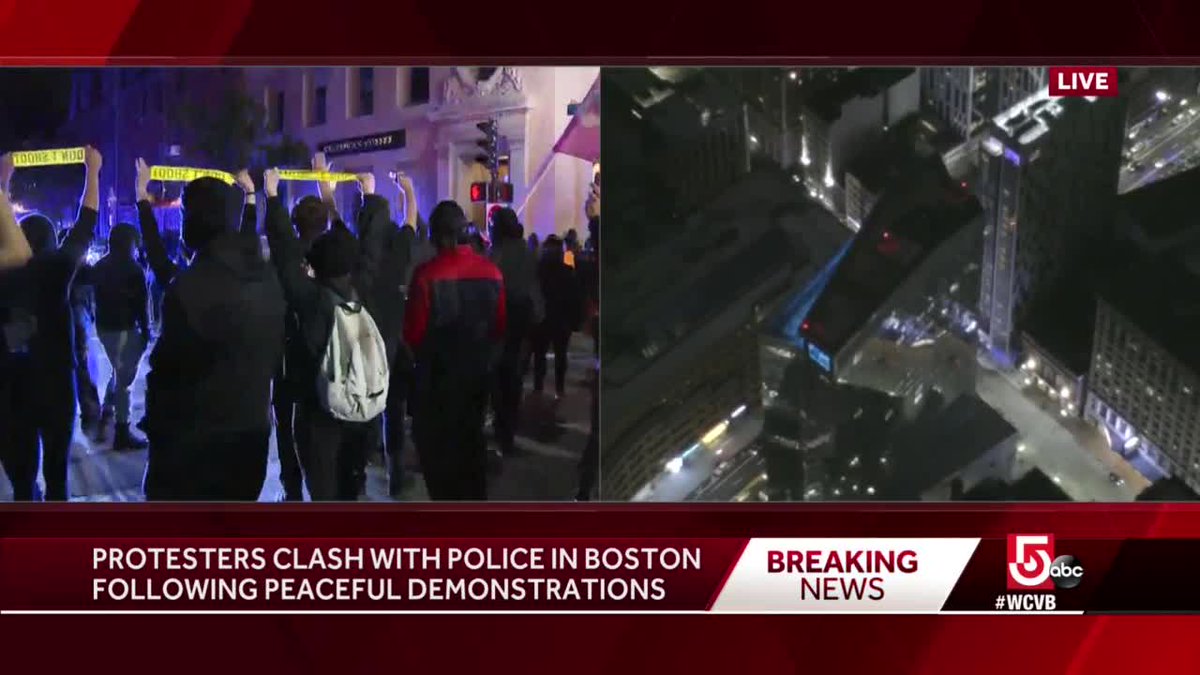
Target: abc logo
{"points": [[1066, 572]]}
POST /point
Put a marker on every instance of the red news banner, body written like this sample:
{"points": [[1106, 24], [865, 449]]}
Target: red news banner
{"points": [[1021, 573], [1018, 574]]}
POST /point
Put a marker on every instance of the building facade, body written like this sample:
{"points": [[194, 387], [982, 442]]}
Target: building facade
{"points": [[967, 98], [1048, 186], [1144, 384], [429, 116], [129, 113]]}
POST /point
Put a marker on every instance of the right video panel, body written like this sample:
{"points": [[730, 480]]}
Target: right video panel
{"points": [[900, 284]]}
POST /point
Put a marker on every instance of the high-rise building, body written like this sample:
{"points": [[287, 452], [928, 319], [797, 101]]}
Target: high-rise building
{"points": [[1048, 186], [914, 245], [841, 116], [681, 350], [1145, 371], [967, 97]]}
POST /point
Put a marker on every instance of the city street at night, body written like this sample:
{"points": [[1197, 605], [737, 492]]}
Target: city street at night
{"points": [[1165, 142]]}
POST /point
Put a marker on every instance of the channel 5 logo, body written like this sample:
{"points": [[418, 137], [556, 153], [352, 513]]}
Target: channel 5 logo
{"points": [[1032, 565]]}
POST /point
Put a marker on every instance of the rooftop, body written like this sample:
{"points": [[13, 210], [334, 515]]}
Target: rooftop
{"points": [[920, 210], [1030, 118], [1168, 490], [918, 134], [1162, 297], [1034, 486], [826, 97], [963, 432], [1165, 208]]}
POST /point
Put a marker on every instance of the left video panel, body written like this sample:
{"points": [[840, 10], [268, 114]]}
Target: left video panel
{"points": [[286, 284]]}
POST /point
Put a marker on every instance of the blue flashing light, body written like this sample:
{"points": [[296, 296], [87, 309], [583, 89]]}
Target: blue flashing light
{"points": [[820, 358], [1012, 156]]}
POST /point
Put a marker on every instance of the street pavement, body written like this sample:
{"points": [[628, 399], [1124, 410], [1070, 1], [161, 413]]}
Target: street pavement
{"points": [[1161, 142], [1073, 452], [551, 439], [700, 466]]}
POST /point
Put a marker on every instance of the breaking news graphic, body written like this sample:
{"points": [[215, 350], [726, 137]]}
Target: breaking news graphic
{"points": [[1023, 574]]}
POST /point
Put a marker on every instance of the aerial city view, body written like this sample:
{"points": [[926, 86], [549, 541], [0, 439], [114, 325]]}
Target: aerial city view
{"points": [[900, 284]]}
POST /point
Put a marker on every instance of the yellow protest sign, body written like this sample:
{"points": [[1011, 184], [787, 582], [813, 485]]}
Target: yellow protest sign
{"points": [[323, 176], [182, 174], [54, 157]]}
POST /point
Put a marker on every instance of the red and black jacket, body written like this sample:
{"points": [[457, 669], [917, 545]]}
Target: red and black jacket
{"points": [[454, 319]]}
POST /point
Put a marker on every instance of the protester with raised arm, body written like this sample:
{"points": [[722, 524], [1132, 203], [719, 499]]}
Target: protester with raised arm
{"points": [[14, 248], [208, 392], [343, 356], [391, 298], [40, 348], [310, 217]]}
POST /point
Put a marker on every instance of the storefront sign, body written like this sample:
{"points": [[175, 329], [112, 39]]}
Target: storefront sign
{"points": [[391, 140]]}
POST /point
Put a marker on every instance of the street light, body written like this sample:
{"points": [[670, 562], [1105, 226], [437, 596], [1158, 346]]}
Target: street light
{"points": [[1162, 96]]}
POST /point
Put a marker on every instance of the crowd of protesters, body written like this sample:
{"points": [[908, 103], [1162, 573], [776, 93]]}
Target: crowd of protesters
{"points": [[333, 340]]}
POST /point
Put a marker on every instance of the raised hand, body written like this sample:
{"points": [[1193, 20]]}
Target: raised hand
{"points": [[245, 182], [92, 159], [326, 188], [404, 182], [142, 182], [271, 182], [6, 171]]}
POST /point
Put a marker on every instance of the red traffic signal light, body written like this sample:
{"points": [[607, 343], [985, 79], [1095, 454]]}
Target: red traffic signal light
{"points": [[486, 192]]}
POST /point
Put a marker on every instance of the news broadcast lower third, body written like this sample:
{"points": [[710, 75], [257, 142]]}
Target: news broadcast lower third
{"points": [[328, 339]]}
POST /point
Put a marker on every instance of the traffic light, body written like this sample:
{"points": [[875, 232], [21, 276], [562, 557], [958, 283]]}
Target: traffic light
{"points": [[491, 192], [490, 144]]}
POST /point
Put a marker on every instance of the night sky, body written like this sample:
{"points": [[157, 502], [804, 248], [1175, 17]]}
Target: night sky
{"points": [[34, 102]]}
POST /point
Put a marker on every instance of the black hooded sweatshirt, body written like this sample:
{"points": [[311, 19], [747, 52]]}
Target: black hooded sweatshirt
{"points": [[222, 337], [310, 300], [41, 290]]}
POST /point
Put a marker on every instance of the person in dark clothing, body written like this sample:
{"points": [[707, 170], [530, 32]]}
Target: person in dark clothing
{"points": [[208, 391], [123, 324], [478, 244], [560, 288], [534, 243], [37, 376], [310, 217], [524, 306], [571, 241], [83, 312], [454, 321], [311, 220], [345, 270], [392, 295], [589, 464]]}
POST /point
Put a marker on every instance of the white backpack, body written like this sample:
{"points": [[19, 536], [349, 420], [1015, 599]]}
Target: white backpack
{"points": [[353, 381]]}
